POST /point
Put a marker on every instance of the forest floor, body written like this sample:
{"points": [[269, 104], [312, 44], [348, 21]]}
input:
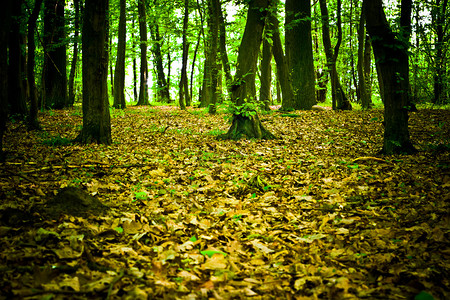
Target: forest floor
{"points": [[314, 214]]}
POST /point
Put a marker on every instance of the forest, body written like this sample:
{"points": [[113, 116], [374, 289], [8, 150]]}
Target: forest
{"points": [[224, 149]]}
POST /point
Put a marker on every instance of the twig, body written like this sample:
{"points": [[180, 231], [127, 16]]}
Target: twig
{"points": [[367, 158]]}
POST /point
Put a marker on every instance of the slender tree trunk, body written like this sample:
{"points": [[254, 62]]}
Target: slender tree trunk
{"points": [[439, 95], [5, 23], [33, 122], [362, 92], [214, 7], [96, 118], [339, 100], [73, 66], [183, 87], [55, 58], [163, 87], [223, 49], [299, 54], [135, 82], [283, 73], [248, 124], [143, 89], [111, 73], [265, 92], [16, 69], [207, 86], [119, 72], [392, 59]]}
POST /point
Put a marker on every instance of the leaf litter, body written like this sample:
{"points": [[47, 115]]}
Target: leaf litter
{"points": [[314, 214]]}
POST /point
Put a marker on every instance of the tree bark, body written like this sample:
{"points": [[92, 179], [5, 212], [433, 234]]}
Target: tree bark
{"points": [[33, 122], [143, 88], [16, 68], [96, 118], [392, 59], [119, 72], [339, 100], [73, 66], [439, 94], [214, 7], [163, 87], [223, 49], [362, 92], [248, 123], [183, 87], [299, 54], [55, 61], [265, 91], [5, 22]]}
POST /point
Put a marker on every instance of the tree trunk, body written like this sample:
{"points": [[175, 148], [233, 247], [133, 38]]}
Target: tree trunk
{"points": [[184, 99], [33, 122], [299, 54], [55, 59], [223, 49], [163, 87], [96, 118], [73, 66], [135, 82], [247, 123], [17, 99], [392, 60], [5, 22], [143, 88], [214, 7], [265, 92], [119, 72], [439, 94], [362, 92], [339, 100], [283, 74]]}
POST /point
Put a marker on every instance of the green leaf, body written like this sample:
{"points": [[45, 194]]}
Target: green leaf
{"points": [[193, 239], [119, 229], [423, 296], [210, 253]]}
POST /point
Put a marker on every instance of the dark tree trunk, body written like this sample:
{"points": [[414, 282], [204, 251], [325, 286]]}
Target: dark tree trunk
{"points": [[55, 59], [73, 66], [265, 92], [223, 49], [163, 87], [362, 92], [339, 99], [33, 122], [441, 25], [143, 88], [299, 54], [111, 73], [96, 118], [17, 90], [283, 74], [183, 87], [207, 86], [392, 59], [119, 72], [135, 82], [214, 7], [248, 124], [5, 22]]}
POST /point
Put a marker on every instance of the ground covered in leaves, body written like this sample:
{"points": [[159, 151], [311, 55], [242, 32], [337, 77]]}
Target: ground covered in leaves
{"points": [[315, 213]]}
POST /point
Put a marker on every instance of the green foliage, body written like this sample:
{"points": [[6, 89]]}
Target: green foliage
{"points": [[247, 109], [58, 140]]}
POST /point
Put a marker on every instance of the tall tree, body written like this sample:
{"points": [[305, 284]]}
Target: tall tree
{"points": [[5, 21], [441, 24], [265, 91], [16, 67], [223, 48], [119, 72], [33, 122], [96, 118], [363, 91], [247, 122], [73, 66], [391, 55], [183, 86], [143, 87], [55, 75], [339, 99], [299, 54], [214, 7]]}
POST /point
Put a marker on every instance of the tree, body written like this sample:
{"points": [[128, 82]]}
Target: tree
{"points": [[391, 54], [299, 54], [184, 87], [265, 91], [439, 15], [73, 66], [33, 122], [16, 67], [214, 7], [245, 120], [119, 72], [55, 76], [96, 118], [339, 100], [363, 93], [143, 87], [5, 21]]}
